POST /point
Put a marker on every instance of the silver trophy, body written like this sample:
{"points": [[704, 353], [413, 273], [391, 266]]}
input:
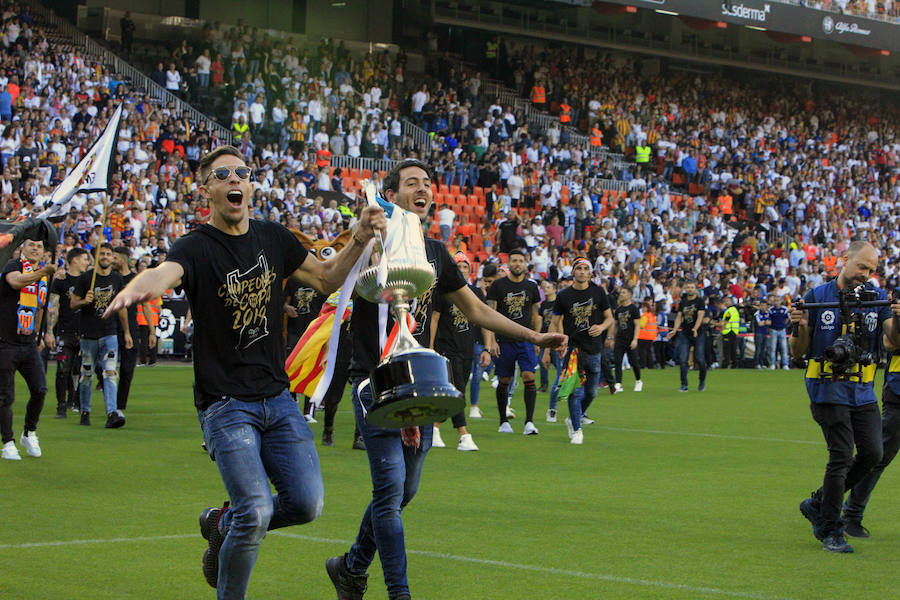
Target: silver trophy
{"points": [[411, 385]]}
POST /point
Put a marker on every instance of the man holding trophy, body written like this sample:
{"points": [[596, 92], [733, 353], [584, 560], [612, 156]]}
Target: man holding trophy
{"points": [[402, 388]]}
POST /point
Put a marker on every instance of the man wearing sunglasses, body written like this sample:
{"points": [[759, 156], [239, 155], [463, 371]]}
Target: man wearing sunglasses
{"points": [[232, 270]]}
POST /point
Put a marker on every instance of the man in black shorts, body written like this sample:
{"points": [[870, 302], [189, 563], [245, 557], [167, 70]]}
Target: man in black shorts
{"points": [[516, 298], [232, 271]]}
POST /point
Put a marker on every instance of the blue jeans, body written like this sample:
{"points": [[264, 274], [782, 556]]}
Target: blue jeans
{"points": [[395, 471], [106, 352], [683, 345], [779, 344], [445, 233], [581, 398], [253, 443], [761, 352], [477, 370], [556, 359]]}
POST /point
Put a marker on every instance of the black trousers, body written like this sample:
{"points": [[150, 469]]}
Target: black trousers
{"points": [[68, 367], [127, 362], [624, 349], [145, 352], [460, 372], [890, 439], [729, 343], [843, 427], [339, 380], [645, 351], [26, 360]]}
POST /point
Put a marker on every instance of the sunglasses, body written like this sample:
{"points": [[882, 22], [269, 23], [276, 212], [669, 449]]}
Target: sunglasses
{"points": [[222, 173]]}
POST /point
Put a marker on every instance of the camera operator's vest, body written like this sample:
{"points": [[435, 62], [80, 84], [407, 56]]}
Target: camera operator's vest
{"points": [[826, 327], [892, 376]]}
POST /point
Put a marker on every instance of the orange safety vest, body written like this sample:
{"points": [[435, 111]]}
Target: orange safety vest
{"points": [[154, 312], [648, 329], [725, 204], [538, 95], [830, 264], [596, 137], [565, 113]]}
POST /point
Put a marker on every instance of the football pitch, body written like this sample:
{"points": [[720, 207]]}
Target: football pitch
{"points": [[673, 495]]}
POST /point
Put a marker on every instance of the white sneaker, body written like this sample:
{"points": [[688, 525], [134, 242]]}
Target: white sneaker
{"points": [[786, 368], [569, 427], [10, 452], [30, 443], [485, 376], [436, 440], [619, 388], [510, 412], [638, 385], [505, 428], [475, 412], [586, 420], [577, 438], [466, 443], [495, 382], [759, 366], [309, 418], [551, 415], [530, 429], [772, 368]]}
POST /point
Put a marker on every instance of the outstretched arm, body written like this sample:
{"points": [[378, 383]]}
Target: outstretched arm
{"points": [[152, 283]]}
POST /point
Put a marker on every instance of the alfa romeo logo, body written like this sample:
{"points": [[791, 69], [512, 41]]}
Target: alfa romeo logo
{"points": [[828, 25]]}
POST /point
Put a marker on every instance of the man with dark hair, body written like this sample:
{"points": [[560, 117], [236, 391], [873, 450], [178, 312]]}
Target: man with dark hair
{"points": [[396, 457], [842, 401], [517, 298], [691, 333], [99, 342], [128, 354], [63, 324], [23, 293], [232, 270]]}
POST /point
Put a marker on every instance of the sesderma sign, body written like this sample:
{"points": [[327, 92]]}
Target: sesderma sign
{"points": [[739, 11]]}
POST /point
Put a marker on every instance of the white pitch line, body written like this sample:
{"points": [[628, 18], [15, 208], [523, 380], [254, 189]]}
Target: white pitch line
{"points": [[439, 555]]}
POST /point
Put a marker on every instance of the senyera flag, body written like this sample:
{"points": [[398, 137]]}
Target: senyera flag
{"points": [[92, 174]]}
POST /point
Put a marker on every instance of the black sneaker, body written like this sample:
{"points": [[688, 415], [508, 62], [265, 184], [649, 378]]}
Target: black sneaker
{"points": [[114, 420], [85, 418], [209, 529], [809, 508], [359, 443], [542, 389], [347, 585], [61, 412], [683, 388], [328, 436], [835, 542], [702, 386], [855, 529]]}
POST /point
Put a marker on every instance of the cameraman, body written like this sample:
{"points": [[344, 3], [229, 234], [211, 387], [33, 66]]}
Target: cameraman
{"points": [[844, 405]]}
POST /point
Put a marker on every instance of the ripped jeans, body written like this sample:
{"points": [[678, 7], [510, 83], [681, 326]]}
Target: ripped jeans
{"points": [[106, 352]]}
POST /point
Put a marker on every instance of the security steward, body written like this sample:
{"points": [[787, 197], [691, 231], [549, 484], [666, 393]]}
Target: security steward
{"points": [[890, 436], [844, 404]]}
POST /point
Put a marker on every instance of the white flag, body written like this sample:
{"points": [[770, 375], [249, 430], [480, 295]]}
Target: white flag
{"points": [[90, 175]]}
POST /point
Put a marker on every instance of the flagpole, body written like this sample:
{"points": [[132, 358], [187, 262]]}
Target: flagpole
{"points": [[99, 242]]}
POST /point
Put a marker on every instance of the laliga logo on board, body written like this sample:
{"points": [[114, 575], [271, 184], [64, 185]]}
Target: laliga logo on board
{"points": [[745, 12]]}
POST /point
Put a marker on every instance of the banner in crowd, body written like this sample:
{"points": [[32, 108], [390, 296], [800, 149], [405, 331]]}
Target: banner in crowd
{"points": [[785, 18], [92, 174]]}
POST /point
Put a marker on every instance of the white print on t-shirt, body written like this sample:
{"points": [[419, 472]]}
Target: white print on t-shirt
{"points": [[248, 294]]}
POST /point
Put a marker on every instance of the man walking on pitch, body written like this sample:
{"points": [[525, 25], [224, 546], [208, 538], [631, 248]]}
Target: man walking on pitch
{"points": [[23, 293], [99, 342], [396, 457], [518, 299], [232, 271], [128, 354], [63, 327], [691, 334]]}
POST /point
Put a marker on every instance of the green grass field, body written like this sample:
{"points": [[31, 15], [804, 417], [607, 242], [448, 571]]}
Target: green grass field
{"points": [[672, 495]]}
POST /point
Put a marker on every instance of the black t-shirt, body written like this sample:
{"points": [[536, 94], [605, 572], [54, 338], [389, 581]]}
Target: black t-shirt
{"points": [[132, 311], [455, 336], [514, 301], [67, 321], [364, 322], [689, 310], [9, 308], [308, 303], [92, 325], [234, 286], [546, 311], [580, 309], [625, 316]]}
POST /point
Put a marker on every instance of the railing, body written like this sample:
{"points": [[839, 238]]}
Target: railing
{"points": [[139, 81], [419, 137], [362, 164]]}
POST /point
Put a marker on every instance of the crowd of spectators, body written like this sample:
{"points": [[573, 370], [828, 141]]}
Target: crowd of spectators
{"points": [[749, 186]]}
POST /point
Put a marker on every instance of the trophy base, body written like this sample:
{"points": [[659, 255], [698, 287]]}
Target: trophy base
{"points": [[413, 388]]}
